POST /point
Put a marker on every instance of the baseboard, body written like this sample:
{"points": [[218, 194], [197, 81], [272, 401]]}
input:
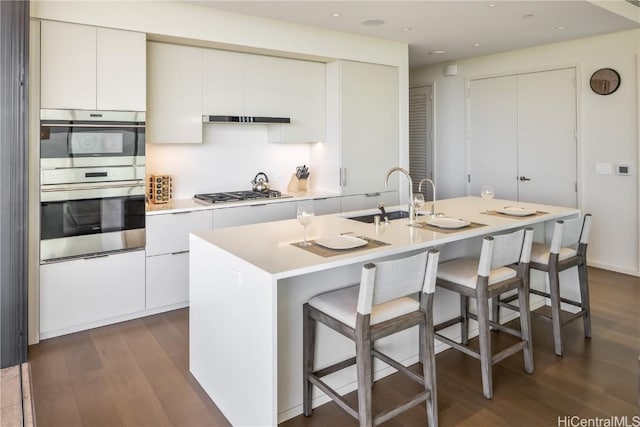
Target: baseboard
{"points": [[110, 321], [614, 268]]}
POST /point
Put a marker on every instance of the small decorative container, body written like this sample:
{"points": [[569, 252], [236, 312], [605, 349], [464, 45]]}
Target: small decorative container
{"points": [[160, 189]]}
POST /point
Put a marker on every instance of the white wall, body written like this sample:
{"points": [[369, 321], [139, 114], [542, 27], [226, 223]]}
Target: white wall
{"points": [[607, 132], [227, 160]]}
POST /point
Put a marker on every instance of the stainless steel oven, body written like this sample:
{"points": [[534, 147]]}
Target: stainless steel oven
{"points": [[81, 138], [92, 183]]}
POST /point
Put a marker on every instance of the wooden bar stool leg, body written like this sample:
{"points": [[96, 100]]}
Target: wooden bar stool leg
{"points": [[363, 367], [485, 340], [583, 278], [554, 291], [464, 324], [495, 310], [308, 345], [525, 326], [429, 367]]}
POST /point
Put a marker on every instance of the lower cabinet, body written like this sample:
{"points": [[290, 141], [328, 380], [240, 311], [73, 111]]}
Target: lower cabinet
{"points": [[368, 201], [85, 293], [254, 214], [326, 206], [167, 280]]}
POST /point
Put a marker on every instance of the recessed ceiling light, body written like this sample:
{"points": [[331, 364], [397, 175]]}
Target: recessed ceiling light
{"points": [[560, 27], [527, 16], [336, 15], [476, 44], [492, 4], [373, 22], [437, 52], [407, 28]]}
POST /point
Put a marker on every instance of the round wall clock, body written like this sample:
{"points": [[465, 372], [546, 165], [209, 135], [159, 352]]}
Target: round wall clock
{"points": [[605, 81]]}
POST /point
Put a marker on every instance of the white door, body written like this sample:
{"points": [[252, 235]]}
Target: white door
{"points": [[547, 138], [493, 136], [522, 137]]}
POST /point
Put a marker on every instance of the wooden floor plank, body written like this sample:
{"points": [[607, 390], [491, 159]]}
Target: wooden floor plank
{"points": [[136, 373]]}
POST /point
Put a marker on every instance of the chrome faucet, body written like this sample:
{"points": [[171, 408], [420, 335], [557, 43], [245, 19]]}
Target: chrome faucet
{"points": [[433, 206], [406, 173]]}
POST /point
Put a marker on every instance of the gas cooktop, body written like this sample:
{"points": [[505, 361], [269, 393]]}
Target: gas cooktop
{"points": [[237, 196]]}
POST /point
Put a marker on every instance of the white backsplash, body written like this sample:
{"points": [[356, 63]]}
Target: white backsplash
{"points": [[227, 160]]}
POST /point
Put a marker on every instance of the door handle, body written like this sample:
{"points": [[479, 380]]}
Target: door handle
{"points": [[524, 178]]}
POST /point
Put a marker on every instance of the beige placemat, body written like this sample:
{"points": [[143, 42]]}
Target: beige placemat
{"points": [[496, 213], [326, 252], [425, 226]]}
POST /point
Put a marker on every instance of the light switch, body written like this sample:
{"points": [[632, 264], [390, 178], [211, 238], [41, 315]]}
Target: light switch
{"points": [[604, 168], [622, 170]]}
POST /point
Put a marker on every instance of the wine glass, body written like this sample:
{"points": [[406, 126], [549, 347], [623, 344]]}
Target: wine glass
{"points": [[305, 216], [418, 203], [487, 193]]}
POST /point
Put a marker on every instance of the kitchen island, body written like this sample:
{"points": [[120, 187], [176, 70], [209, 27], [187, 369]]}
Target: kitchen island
{"points": [[248, 284]]}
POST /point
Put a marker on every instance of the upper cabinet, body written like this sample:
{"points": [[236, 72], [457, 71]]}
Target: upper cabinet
{"points": [[174, 87], [364, 104], [90, 68]]}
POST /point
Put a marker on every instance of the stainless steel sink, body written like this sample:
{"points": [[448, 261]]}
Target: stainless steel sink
{"points": [[391, 215]]}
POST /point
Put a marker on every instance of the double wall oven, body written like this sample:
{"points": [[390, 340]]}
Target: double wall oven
{"points": [[92, 183]]}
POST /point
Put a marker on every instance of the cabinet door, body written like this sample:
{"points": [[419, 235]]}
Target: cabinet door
{"points": [[168, 233], [222, 83], [174, 94], [167, 280], [68, 66], [263, 86], [326, 206], [303, 99], [80, 294], [368, 201], [121, 70], [369, 126], [242, 215]]}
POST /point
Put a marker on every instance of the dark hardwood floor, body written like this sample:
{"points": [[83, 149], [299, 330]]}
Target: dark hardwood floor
{"points": [[136, 373]]}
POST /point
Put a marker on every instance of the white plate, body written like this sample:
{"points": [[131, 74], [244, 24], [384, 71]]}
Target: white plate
{"points": [[516, 211], [446, 222], [341, 242]]}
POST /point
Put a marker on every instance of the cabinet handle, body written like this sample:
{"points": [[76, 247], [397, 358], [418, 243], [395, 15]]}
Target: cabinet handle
{"points": [[372, 194], [321, 198], [180, 252], [257, 206], [95, 256], [343, 177], [181, 213]]}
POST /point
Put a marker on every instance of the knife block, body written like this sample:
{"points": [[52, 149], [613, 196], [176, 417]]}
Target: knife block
{"points": [[297, 185]]}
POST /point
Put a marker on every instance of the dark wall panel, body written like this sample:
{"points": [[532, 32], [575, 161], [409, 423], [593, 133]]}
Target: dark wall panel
{"points": [[14, 54]]}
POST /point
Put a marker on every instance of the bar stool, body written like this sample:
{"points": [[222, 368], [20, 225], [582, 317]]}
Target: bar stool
{"points": [[568, 249], [503, 266], [380, 306]]}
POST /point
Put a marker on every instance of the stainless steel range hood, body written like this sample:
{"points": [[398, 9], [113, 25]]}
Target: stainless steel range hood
{"points": [[245, 119]]}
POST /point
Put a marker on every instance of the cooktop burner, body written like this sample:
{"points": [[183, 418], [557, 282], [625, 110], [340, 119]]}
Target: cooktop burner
{"points": [[237, 196]]}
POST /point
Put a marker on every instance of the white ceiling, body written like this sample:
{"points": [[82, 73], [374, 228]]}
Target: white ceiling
{"points": [[452, 26]]}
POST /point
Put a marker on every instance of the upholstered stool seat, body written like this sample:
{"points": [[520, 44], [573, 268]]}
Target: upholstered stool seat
{"points": [[503, 266], [568, 249], [392, 296]]}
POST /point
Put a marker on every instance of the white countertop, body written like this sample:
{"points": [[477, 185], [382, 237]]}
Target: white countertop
{"points": [[185, 205], [268, 245]]}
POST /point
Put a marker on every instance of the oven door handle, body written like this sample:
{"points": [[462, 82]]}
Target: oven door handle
{"points": [[91, 186], [89, 125], [64, 192]]}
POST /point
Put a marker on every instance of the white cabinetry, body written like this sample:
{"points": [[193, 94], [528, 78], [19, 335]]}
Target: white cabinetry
{"points": [[90, 68], [174, 87], [254, 85], [363, 107], [254, 214], [167, 283], [368, 201], [85, 293], [303, 98], [323, 206]]}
